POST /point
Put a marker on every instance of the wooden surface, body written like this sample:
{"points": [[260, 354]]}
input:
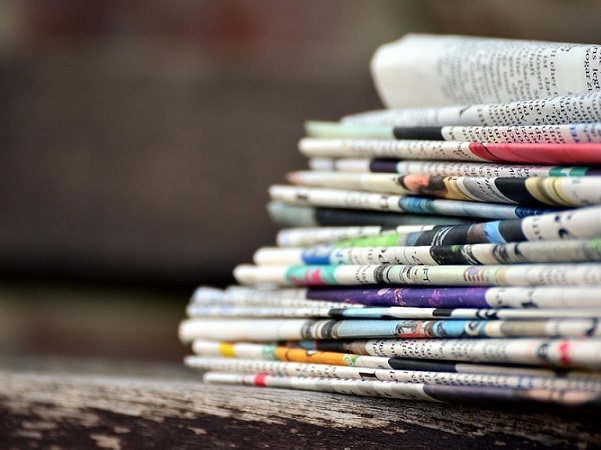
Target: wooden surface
{"points": [[74, 404]]}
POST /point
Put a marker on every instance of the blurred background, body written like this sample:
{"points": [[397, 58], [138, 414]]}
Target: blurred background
{"points": [[138, 140]]}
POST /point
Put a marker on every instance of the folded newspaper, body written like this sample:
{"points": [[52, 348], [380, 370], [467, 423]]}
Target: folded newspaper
{"points": [[446, 248]]}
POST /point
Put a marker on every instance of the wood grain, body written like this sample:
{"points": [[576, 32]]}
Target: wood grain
{"points": [[115, 407]]}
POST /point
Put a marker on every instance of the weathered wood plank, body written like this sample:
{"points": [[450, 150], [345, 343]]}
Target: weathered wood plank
{"points": [[170, 408]]}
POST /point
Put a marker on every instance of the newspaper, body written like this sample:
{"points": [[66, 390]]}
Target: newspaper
{"points": [[437, 150], [554, 191], [573, 274], [577, 108], [277, 329], [477, 254], [448, 168], [549, 296], [343, 198], [435, 70]]}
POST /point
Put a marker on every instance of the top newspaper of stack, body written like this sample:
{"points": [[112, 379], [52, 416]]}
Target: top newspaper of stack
{"points": [[432, 70]]}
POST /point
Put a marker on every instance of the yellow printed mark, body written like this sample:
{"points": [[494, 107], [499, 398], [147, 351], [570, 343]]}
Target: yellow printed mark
{"points": [[227, 350]]}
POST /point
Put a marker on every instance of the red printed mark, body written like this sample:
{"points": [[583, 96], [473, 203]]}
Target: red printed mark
{"points": [[260, 380], [564, 350]]}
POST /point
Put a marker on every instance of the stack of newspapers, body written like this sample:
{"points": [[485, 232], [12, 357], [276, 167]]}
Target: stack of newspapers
{"points": [[446, 248]]}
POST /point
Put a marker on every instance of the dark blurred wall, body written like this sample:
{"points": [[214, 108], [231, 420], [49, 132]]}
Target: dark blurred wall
{"points": [[139, 138]]}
